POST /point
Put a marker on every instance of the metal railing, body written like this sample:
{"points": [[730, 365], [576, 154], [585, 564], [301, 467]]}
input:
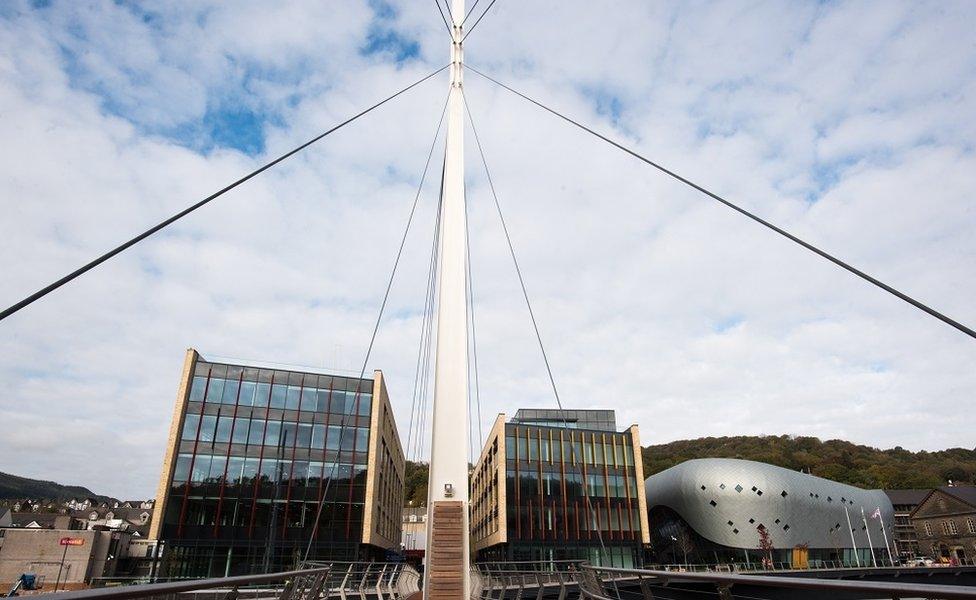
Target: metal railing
{"points": [[607, 583], [315, 581], [525, 580], [385, 581], [305, 584]]}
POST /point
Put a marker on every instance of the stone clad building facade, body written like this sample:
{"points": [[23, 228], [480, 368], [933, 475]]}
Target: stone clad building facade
{"points": [[945, 523]]}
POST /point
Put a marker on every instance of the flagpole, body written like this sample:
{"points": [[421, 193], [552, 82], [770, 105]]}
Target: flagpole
{"points": [[853, 541], [870, 543], [885, 534]]}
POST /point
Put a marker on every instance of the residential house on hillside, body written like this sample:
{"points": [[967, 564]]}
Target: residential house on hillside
{"points": [[945, 522], [32, 520], [81, 503]]}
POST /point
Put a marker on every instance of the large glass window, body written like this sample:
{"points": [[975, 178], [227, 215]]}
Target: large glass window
{"points": [[269, 470], [304, 436], [279, 393], [201, 468], [215, 391], [314, 472], [272, 433], [262, 393], [230, 392], [240, 431], [250, 469], [299, 472], [309, 400], [182, 469], [338, 403], [255, 436], [246, 397], [217, 466], [190, 424], [333, 441], [348, 438], [197, 389], [235, 466], [510, 451], [533, 442], [293, 399], [362, 439], [365, 404], [288, 432], [318, 436], [224, 425], [322, 401], [207, 428], [596, 485]]}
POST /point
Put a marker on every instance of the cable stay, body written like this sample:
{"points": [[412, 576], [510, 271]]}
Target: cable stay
{"points": [[485, 12], [473, 356], [891, 290], [379, 318], [470, 10], [118, 249], [450, 31], [528, 304], [418, 409], [511, 248], [447, 5]]}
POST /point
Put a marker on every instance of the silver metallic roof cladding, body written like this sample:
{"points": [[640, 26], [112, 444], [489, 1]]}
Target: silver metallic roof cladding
{"points": [[811, 520]]}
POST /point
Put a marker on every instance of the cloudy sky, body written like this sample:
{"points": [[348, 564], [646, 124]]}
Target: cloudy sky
{"points": [[850, 124]]}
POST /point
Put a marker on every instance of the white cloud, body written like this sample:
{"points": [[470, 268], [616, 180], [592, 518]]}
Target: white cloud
{"points": [[846, 123]]}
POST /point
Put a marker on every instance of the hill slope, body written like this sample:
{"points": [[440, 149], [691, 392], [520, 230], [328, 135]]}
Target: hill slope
{"points": [[12, 486], [841, 461]]}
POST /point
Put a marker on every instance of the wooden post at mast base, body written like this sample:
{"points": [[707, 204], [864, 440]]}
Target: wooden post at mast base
{"points": [[447, 557]]}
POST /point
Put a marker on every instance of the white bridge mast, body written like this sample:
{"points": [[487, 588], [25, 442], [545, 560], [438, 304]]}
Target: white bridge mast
{"points": [[447, 553]]}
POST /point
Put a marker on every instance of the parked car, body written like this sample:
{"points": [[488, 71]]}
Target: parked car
{"points": [[921, 561]]}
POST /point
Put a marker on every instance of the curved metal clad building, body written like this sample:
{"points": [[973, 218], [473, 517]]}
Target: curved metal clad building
{"points": [[725, 501]]}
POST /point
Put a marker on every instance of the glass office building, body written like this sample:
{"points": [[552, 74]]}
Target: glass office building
{"points": [[265, 464], [542, 492]]}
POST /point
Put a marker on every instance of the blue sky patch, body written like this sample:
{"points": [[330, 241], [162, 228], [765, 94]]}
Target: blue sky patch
{"points": [[238, 127], [389, 42]]}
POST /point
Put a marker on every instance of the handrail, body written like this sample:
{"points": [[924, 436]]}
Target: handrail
{"points": [[175, 587], [799, 583]]}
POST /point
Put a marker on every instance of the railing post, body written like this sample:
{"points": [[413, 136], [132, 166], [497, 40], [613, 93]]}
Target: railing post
{"points": [[645, 586], [345, 579], [287, 589], [562, 586], [362, 582], [379, 584]]}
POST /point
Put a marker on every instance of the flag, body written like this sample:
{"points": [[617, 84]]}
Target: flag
{"points": [[877, 513]]}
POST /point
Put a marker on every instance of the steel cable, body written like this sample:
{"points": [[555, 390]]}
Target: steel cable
{"points": [[372, 340], [118, 249], [917, 304]]}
